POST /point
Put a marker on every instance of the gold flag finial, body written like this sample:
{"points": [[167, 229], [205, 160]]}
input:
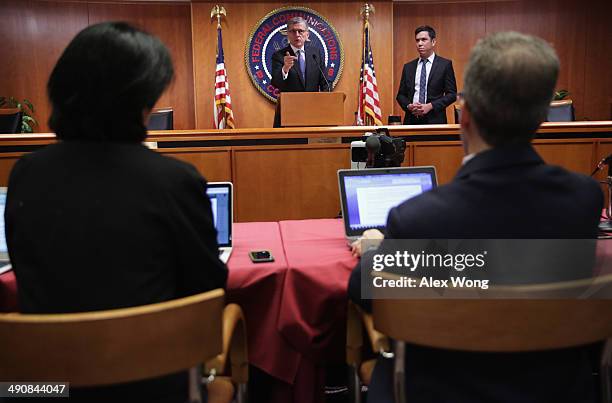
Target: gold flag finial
{"points": [[366, 10], [218, 12]]}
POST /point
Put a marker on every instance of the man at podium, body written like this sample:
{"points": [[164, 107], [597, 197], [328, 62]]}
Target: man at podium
{"points": [[297, 67]]}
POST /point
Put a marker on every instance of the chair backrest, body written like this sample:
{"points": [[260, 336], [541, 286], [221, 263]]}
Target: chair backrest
{"points": [[545, 320], [10, 120], [161, 119], [561, 111], [114, 346]]}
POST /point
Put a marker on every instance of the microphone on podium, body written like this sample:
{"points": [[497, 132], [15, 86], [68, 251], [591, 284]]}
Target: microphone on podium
{"points": [[323, 74]]}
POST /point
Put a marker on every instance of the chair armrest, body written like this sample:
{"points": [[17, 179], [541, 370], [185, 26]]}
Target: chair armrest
{"points": [[234, 346], [354, 335], [380, 342]]}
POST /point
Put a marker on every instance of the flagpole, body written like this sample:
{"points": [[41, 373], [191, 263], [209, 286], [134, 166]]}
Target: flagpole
{"points": [[365, 12], [360, 96], [219, 12]]}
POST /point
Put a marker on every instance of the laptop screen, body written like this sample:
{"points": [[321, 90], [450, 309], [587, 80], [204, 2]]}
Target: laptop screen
{"points": [[220, 195], [368, 195]]}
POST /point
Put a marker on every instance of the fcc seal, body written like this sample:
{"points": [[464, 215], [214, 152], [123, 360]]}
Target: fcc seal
{"points": [[270, 35]]}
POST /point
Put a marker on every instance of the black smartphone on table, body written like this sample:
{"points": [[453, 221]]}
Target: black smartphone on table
{"points": [[261, 256]]}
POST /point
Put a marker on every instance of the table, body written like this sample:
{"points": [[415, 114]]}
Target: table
{"points": [[312, 317], [257, 288], [319, 265], [295, 307]]}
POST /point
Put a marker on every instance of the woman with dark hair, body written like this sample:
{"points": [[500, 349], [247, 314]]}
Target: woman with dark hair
{"points": [[98, 221], [108, 76]]}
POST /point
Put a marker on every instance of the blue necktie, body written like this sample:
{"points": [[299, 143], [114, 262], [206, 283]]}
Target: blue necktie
{"points": [[423, 82], [302, 64]]}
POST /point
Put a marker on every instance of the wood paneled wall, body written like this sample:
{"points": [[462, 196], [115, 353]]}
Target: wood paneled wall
{"points": [[580, 33], [276, 180], [33, 34], [598, 72], [251, 109], [172, 24]]}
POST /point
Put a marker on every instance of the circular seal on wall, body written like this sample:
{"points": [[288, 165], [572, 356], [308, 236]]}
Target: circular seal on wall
{"points": [[270, 35]]}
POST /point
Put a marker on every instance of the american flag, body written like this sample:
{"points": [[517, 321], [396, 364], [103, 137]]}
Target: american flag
{"points": [[368, 111], [224, 116]]}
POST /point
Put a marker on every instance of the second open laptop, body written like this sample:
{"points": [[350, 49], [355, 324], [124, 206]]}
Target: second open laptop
{"points": [[367, 195], [221, 197]]}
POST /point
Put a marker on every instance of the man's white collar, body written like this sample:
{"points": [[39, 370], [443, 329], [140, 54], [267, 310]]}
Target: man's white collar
{"points": [[431, 57], [296, 49]]}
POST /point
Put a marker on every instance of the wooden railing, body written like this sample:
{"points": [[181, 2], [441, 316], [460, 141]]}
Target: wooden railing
{"points": [[290, 173]]}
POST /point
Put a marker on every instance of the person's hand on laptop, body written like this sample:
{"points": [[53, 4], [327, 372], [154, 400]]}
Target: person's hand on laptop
{"points": [[374, 236]]}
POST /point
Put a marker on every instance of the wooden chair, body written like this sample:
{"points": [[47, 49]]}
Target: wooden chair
{"points": [[361, 371], [10, 120], [234, 357], [536, 317], [161, 119], [129, 344]]}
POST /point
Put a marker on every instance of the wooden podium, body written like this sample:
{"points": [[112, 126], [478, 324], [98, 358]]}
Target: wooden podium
{"points": [[306, 109]]}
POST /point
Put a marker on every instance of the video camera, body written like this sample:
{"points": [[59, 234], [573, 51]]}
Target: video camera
{"points": [[378, 150]]}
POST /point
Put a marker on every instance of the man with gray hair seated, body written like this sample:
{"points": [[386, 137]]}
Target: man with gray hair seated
{"points": [[298, 67], [503, 190]]}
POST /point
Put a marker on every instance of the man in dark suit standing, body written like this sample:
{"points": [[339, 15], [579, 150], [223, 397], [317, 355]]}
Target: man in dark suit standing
{"points": [[297, 67], [424, 93], [504, 190]]}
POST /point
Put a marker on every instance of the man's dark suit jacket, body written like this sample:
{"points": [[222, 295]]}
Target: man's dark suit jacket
{"points": [[93, 226], [500, 194], [441, 91], [315, 81]]}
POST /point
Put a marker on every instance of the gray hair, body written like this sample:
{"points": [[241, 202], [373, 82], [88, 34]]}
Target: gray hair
{"points": [[295, 21], [508, 85]]}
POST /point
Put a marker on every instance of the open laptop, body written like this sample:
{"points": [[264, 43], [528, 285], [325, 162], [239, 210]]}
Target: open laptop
{"points": [[4, 258], [367, 195], [221, 197]]}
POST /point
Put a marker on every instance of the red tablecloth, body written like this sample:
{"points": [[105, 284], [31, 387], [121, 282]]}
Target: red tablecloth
{"points": [[319, 263], [312, 317], [258, 289]]}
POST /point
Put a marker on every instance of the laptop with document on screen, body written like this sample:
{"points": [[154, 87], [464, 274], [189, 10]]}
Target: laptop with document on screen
{"points": [[221, 197], [4, 258], [367, 195]]}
